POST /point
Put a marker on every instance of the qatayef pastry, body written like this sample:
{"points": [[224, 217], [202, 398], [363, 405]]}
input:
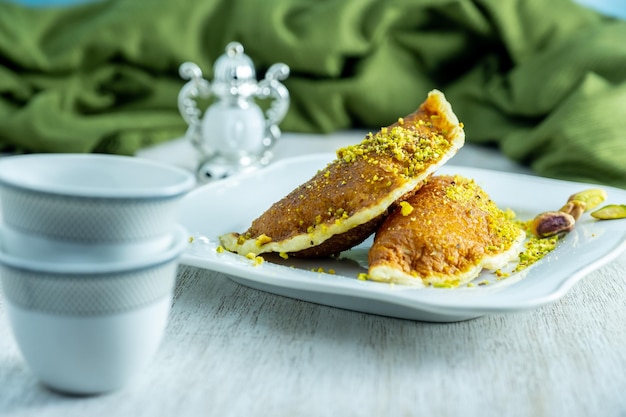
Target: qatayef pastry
{"points": [[444, 235], [346, 201]]}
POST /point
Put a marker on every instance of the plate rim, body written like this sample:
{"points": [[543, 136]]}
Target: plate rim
{"points": [[477, 306]]}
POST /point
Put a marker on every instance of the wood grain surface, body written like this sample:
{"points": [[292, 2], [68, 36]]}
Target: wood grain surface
{"points": [[234, 351]]}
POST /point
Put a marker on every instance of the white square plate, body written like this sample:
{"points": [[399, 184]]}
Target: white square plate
{"points": [[230, 205]]}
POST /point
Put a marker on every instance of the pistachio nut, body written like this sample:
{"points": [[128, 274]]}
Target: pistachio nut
{"points": [[551, 223], [574, 207], [592, 197], [610, 212]]}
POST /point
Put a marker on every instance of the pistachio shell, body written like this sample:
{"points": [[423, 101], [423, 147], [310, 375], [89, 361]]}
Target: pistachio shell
{"points": [[592, 197], [574, 207], [610, 212], [552, 223]]}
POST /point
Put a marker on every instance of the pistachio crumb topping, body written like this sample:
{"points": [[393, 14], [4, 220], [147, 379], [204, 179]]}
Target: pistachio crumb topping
{"points": [[262, 240], [256, 259], [535, 249], [500, 222], [407, 143], [405, 208], [453, 283], [501, 274], [362, 276]]}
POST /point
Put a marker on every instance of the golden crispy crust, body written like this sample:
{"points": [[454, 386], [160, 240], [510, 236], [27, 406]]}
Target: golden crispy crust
{"points": [[344, 201], [443, 235]]}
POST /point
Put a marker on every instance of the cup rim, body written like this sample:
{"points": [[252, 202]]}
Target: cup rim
{"points": [[179, 242], [182, 180]]}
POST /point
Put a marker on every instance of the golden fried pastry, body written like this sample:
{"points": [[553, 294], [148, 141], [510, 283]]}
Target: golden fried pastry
{"points": [[444, 235], [346, 201]]}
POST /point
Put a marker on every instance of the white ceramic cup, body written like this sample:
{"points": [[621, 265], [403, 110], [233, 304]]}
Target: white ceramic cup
{"points": [[90, 328], [36, 247], [89, 207]]}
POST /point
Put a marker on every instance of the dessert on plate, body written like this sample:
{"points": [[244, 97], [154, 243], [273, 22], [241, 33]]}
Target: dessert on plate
{"points": [[347, 201], [444, 235]]}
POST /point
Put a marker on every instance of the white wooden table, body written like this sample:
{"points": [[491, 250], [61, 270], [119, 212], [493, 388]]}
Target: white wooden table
{"points": [[234, 351]]}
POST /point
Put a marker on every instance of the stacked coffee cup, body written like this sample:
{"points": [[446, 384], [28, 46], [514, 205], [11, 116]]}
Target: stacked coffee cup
{"points": [[88, 257]]}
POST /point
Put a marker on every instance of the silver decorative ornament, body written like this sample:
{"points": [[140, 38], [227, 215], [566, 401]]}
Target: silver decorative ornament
{"points": [[234, 135]]}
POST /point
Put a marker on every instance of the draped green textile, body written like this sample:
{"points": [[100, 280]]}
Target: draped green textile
{"points": [[545, 81]]}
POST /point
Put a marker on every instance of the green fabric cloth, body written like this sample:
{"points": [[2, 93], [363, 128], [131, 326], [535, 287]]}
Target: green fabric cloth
{"points": [[545, 81]]}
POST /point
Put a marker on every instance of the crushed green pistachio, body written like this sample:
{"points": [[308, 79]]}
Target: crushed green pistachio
{"points": [[362, 276], [406, 144], [262, 240], [405, 208], [499, 221], [258, 260], [447, 284], [535, 249]]}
